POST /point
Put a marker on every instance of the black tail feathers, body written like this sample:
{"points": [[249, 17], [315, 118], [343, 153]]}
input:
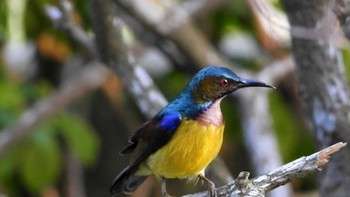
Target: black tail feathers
{"points": [[126, 182]]}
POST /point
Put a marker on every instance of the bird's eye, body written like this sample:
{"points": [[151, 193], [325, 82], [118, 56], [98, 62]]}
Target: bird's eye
{"points": [[223, 82]]}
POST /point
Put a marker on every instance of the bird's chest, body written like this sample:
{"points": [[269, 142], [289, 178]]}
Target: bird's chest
{"points": [[212, 115], [191, 149]]}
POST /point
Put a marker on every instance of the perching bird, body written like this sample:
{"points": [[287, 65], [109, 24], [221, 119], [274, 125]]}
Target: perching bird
{"points": [[184, 137]]}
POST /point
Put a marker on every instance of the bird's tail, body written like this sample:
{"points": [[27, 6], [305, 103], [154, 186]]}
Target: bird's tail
{"points": [[126, 182]]}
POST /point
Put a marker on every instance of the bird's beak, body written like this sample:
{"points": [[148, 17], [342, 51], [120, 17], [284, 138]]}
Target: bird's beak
{"points": [[243, 83]]}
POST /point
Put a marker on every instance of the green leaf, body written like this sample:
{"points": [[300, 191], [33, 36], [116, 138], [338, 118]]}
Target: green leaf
{"points": [[32, 92], [12, 100], [6, 117], [346, 59], [81, 139], [41, 162], [6, 168]]}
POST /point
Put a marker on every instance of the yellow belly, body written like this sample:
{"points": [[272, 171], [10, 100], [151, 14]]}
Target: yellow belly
{"points": [[187, 154]]}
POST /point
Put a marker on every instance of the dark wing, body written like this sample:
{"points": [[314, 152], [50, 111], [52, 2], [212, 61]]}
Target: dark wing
{"points": [[152, 136], [145, 141]]}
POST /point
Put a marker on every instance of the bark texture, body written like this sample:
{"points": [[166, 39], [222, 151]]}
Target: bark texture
{"points": [[322, 85]]}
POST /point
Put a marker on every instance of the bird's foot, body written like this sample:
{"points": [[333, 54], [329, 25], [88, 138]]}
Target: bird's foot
{"points": [[211, 185], [212, 192]]}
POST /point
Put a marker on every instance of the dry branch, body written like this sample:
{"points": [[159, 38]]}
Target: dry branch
{"points": [[61, 17], [259, 186]]}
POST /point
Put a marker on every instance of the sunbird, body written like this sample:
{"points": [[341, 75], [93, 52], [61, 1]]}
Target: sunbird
{"points": [[183, 138]]}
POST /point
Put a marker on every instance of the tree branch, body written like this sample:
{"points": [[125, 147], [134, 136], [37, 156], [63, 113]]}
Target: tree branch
{"points": [[259, 186], [61, 17]]}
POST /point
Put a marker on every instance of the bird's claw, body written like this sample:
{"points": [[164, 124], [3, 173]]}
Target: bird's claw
{"points": [[212, 192], [210, 184]]}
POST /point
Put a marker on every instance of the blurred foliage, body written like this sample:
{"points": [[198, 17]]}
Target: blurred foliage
{"points": [[288, 130], [36, 20], [37, 161], [81, 139], [346, 59], [3, 18], [294, 140], [277, 4], [234, 17], [172, 84], [39, 158]]}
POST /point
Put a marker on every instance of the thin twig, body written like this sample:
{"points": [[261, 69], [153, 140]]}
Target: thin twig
{"points": [[62, 19]]}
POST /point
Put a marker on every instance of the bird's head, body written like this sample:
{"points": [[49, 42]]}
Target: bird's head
{"points": [[212, 83]]}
